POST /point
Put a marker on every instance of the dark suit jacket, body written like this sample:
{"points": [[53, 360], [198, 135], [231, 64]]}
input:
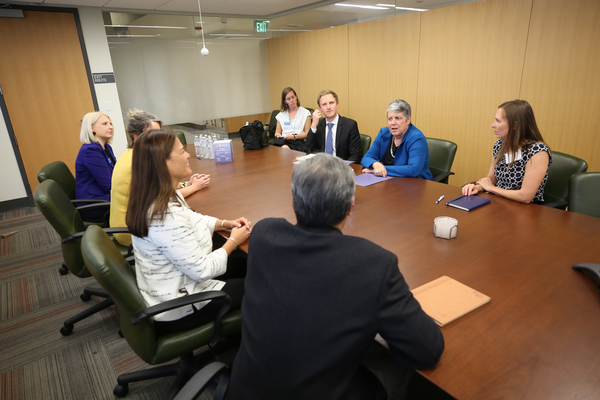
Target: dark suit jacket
{"points": [[314, 301], [347, 144]]}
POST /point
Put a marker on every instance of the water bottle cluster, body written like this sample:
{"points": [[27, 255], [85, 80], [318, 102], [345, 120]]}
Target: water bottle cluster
{"points": [[204, 146]]}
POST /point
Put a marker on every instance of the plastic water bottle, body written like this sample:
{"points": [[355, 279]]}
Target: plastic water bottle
{"points": [[204, 147], [197, 146], [211, 150]]}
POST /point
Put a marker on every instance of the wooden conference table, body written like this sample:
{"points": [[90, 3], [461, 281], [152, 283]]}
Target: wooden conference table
{"points": [[538, 338]]}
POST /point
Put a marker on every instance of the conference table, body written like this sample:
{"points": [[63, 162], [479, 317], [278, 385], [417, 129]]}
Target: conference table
{"points": [[538, 337]]}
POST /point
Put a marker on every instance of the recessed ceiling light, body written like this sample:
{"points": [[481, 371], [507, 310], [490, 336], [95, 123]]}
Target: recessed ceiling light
{"points": [[146, 26], [359, 6], [402, 8]]}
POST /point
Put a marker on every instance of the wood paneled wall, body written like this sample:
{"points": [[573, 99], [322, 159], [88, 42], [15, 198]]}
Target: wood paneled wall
{"points": [[455, 65], [46, 88]]}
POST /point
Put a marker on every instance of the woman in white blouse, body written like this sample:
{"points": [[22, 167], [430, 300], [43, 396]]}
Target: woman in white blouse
{"points": [[293, 122], [172, 243]]}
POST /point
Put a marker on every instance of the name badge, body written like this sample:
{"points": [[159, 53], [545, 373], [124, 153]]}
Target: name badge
{"points": [[287, 123]]}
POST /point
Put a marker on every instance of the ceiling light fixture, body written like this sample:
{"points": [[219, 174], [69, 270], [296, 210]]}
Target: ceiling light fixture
{"points": [[402, 8], [204, 50], [228, 34], [122, 36], [144, 26], [359, 6]]}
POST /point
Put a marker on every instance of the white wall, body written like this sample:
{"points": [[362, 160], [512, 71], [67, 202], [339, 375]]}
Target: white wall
{"points": [[94, 36], [11, 183], [170, 79]]}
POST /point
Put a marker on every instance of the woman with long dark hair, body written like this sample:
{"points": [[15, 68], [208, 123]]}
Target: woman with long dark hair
{"points": [[520, 160], [172, 243]]}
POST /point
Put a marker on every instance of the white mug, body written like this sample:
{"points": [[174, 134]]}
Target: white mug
{"points": [[445, 227]]}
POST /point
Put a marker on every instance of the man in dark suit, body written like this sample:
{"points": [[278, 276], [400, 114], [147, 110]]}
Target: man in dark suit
{"points": [[334, 134], [315, 299]]}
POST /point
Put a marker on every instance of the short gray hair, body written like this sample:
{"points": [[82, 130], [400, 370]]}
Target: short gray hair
{"points": [[399, 106], [322, 189], [139, 121]]}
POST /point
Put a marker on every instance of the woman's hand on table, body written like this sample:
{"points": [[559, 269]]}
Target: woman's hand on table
{"points": [[377, 168]]}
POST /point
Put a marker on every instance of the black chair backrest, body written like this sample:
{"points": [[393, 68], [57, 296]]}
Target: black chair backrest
{"points": [[441, 156], [562, 168], [584, 193], [365, 143], [66, 221], [61, 174]]}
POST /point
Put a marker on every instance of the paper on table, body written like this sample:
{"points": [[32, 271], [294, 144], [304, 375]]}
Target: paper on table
{"points": [[370, 179]]}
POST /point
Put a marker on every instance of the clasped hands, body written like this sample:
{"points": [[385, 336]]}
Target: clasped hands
{"points": [[472, 189], [240, 229]]}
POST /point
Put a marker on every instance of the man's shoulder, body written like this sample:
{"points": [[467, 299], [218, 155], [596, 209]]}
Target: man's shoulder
{"points": [[347, 120]]}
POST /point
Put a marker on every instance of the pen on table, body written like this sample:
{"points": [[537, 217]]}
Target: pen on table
{"points": [[440, 199]]}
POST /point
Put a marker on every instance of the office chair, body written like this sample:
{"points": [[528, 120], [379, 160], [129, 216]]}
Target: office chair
{"points": [[181, 136], [271, 126], [584, 193], [557, 186], [115, 275], [365, 143], [441, 157], [61, 174], [202, 379], [66, 221]]}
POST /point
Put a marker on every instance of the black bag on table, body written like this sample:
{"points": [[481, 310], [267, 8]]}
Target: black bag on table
{"points": [[253, 136]]}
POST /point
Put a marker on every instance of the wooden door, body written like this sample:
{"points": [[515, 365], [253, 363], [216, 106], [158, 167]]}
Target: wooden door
{"points": [[46, 88]]}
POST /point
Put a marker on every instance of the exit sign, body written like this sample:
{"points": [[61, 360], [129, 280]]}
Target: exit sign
{"points": [[261, 26]]}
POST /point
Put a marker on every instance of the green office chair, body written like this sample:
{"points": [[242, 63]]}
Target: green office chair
{"points": [[61, 174], [365, 143], [441, 157], [557, 187], [584, 193], [115, 275], [202, 379], [66, 221], [181, 136], [271, 126]]}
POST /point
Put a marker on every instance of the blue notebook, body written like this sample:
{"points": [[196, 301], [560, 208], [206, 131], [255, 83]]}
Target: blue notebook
{"points": [[467, 203]]}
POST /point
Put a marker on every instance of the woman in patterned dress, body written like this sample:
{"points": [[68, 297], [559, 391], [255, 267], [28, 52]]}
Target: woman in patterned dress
{"points": [[520, 160]]}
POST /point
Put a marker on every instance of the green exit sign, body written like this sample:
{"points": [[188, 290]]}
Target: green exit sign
{"points": [[260, 26]]}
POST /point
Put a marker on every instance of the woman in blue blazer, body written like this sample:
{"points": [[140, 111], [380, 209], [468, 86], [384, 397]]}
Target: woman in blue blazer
{"points": [[400, 149], [95, 161]]}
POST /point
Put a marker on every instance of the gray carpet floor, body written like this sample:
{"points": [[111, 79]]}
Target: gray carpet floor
{"points": [[36, 361]]}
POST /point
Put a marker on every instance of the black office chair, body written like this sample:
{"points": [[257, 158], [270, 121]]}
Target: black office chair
{"points": [[61, 174], [441, 158], [115, 275], [584, 193], [66, 221], [202, 379], [365, 143], [181, 136], [557, 187], [271, 126]]}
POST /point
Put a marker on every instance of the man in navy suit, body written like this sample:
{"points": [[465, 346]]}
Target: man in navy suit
{"points": [[316, 298], [334, 134]]}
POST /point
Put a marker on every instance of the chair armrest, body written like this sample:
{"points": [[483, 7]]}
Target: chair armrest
{"points": [[89, 201], [442, 176], [79, 235], [94, 206], [187, 300], [200, 380], [557, 204], [180, 302]]}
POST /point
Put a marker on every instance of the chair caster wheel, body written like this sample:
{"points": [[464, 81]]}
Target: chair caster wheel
{"points": [[85, 297], [63, 270], [121, 390], [121, 333], [66, 331]]}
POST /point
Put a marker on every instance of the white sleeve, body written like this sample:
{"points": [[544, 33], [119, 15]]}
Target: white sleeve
{"points": [[185, 239]]}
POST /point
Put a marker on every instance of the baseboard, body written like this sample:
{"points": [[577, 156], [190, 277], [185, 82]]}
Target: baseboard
{"points": [[16, 204]]}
